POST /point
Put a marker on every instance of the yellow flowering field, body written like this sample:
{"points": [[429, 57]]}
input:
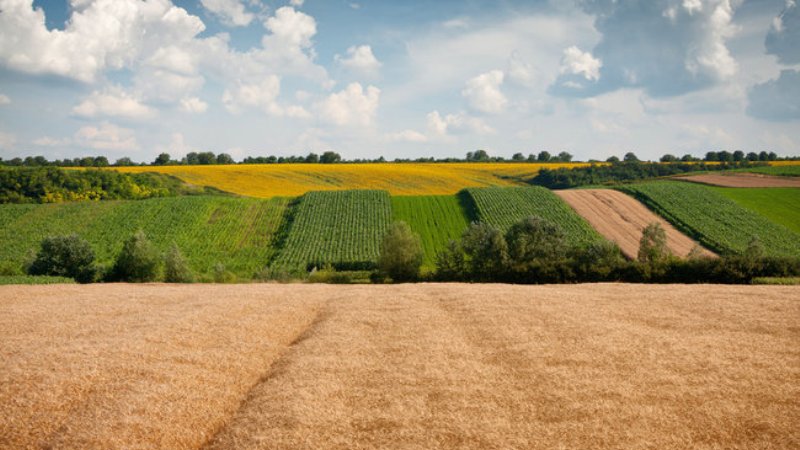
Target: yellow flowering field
{"points": [[288, 180]]}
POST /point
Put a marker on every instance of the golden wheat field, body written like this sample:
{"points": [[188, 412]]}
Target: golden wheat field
{"points": [[404, 366], [289, 180]]}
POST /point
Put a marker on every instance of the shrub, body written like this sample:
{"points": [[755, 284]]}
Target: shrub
{"points": [[139, 260], [401, 253], [221, 275], [534, 238], [176, 270], [599, 261], [486, 251], [65, 256], [653, 245], [450, 262]]}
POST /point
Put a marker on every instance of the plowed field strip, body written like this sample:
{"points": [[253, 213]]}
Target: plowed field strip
{"points": [[622, 219], [743, 180]]}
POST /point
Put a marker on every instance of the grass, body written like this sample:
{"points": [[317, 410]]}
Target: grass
{"points": [[291, 180], [341, 228], [235, 232], [777, 281], [436, 218], [27, 279], [600, 366], [716, 221], [502, 207], [782, 170], [780, 205]]}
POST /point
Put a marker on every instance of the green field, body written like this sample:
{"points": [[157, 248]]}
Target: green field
{"points": [[502, 207], [341, 228], [235, 232], [787, 171], [436, 218], [780, 205], [712, 218]]}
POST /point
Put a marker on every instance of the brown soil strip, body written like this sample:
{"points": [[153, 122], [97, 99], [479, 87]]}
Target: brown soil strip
{"points": [[621, 218], [402, 366], [743, 180]]}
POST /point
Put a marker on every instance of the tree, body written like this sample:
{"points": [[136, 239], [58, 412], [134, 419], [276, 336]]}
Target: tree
{"points": [[86, 161], [687, 158], [738, 155], [532, 239], [725, 156], [668, 158], [176, 270], [544, 156], [613, 159], [139, 260], [598, 261], [518, 157], [564, 157], [65, 256], [711, 156], [653, 245], [162, 159], [630, 157], [772, 156], [401, 253], [450, 262], [192, 158], [100, 161], [312, 158], [330, 157], [763, 156], [224, 158], [752, 156], [478, 156], [124, 162], [486, 251], [206, 158]]}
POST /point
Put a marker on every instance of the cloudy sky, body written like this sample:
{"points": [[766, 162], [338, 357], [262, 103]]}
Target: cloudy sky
{"points": [[398, 78]]}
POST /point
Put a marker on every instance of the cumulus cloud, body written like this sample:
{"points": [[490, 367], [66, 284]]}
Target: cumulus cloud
{"points": [[577, 62], [262, 96], [360, 59], [4, 100], [783, 38], [408, 136], [776, 100], [439, 126], [483, 92], [353, 105], [296, 3], [193, 105], [113, 102], [230, 12], [666, 47], [107, 136]]}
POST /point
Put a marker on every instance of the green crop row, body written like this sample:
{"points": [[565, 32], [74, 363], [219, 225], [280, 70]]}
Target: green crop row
{"points": [[234, 232], [718, 222], [436, 218], [341, 228], [502, 207]]}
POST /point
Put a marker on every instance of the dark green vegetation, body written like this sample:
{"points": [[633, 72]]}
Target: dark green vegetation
{"points": [[780, 205], [29, 279], [235, 232], [713, 219], [620, 173], [503, 207], [65, 256], [436, 218], [340, 228], [55, 185], [401, 253], [786, 171]]}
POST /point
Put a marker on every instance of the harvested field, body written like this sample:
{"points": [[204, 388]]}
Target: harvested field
{"points": [[743, 180], [621, 218], [405, 366]]}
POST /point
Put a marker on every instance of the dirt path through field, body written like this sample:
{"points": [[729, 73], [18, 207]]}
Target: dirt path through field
{"points": [[404, 366], [621, 218], [743, 180]]}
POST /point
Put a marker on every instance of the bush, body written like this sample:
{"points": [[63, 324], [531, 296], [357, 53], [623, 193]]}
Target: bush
{"points": [[65, 256], [176, 270], [139, 260], [486, 251], [401, 253], [221, 275], [450, 263], [653, 245]]}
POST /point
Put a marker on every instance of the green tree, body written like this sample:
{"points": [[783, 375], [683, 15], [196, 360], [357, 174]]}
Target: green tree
{"points": [[544, 156], [224, 158], [162, 159], [139, 260], [206, 158], [312, 158], [630, 157], [564, 157], [532, 239], [401, 253], [65, 256], [330, 157], [176, 269], [613, 159], [450, 262], [653, 245], [518, 157], [668, 158], [486, 251], [123, 162]]}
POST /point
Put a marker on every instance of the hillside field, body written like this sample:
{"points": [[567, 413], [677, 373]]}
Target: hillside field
{"points": [[601, 366], [291, 180], [715, 220], [436, 218], [780, 205]]}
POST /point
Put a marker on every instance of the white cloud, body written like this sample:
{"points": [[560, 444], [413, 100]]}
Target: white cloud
{"points": [[230, 12], [577, 62], [351, 106], [439, 126], [408, 136], [193, 105], [521, 72], [7, 140], [296, 3], [693, 6], [47, 141], [113, 102], [483, 92], [292, 27], [263, 96], [710, 56], [4, 100], [107, 136], [360, 59]]}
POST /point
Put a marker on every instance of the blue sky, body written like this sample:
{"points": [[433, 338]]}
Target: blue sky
{"points": [[398, 78]]}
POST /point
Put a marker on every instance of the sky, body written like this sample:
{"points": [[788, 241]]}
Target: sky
{"points": [[399, 79]]}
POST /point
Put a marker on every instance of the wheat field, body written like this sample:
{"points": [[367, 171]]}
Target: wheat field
{"points": [[290, 180], [408, 366]]}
